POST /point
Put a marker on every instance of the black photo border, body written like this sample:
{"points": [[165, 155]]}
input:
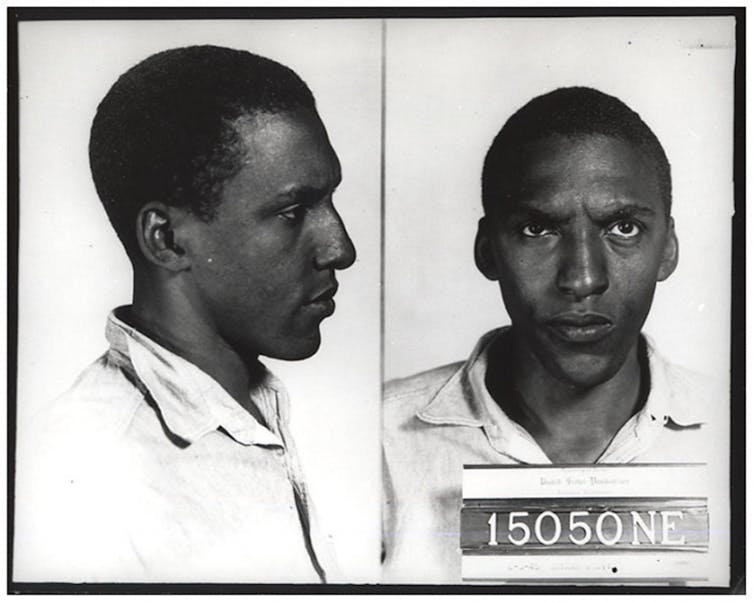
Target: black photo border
{"points": [[16, 15]]}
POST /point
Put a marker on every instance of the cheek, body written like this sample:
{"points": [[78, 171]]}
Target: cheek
{"points": [[526, 277], [522, 296], [235, 274], [632, 285], [635, 272], [271, 277]]}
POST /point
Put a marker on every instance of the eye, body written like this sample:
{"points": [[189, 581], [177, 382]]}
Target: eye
{"points": [[625, 229], [294, 213], [535, 229]]}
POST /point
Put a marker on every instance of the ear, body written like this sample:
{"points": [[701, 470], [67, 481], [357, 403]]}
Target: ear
{"points": [[155, 232], [483, 254], [669, 254]]}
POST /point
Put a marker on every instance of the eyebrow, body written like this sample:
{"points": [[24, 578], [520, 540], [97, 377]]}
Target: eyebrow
{"points": [[306, 194], [610, 213], [630, 210]]}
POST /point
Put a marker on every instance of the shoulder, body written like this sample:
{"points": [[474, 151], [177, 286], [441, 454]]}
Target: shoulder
{"points": [[421, 383], [687, 383], [99, 405], [694, 397], [404, 397], [79, 462]]}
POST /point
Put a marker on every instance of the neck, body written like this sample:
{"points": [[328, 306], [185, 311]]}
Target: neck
{"points": [[571, 423], [162, 311]]}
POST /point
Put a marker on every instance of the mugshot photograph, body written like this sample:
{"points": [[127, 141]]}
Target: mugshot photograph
{"points": [[374, 300], [577, 178], [197, 202]]}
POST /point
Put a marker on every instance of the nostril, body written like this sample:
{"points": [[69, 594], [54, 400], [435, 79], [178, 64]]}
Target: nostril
{"points": [[583, 280]]}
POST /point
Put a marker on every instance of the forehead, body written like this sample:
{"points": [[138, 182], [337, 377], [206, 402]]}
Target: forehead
{"points": [[599, 169], [285, 151]]}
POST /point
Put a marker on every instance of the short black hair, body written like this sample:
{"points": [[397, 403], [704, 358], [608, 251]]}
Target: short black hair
{"points": [[571, 112], [164, 132]]}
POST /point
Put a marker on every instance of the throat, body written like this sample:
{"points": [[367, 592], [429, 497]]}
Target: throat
{"points": [[579, 445], [205, 350], [570, 424]]}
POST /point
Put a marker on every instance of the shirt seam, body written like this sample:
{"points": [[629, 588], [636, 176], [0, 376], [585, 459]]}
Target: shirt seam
{"points": [[132, 414]]}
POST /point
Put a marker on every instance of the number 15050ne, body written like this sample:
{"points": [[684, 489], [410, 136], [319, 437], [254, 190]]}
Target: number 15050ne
{"points": [[607, 528]]}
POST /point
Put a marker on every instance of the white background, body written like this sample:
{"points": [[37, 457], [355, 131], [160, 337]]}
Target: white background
{"points": [[450, 94], [73, 270]]}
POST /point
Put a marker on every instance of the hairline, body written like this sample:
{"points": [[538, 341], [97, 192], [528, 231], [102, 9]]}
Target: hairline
{"points": [[642, 148]]}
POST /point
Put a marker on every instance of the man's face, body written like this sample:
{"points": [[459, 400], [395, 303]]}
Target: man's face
{"points": [[578, 245], [264, 267]]}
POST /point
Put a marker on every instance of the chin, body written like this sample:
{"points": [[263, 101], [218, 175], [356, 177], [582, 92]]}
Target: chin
{"points": [[586, 371], [296, 348]]}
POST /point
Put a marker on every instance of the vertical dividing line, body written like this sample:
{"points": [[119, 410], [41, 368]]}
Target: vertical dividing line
{"points": [[383, 68], [380, 460]]}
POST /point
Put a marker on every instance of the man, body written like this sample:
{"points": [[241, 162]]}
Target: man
{"points": [[170, 459], [577, 232]]}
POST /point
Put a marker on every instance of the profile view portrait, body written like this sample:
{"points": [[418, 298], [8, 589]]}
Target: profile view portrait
{"points": [[577, 232], [170, 458]]}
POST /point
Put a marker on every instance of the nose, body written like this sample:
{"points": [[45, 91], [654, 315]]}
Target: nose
{"points": [[334, 249], [583, 270]]}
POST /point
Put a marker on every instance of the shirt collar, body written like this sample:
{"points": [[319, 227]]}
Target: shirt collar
{"points": [[459, 401], [666, 400], [465, 400], [190, 402]]}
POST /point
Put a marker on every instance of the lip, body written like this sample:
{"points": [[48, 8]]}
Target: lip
{"points": [[578, 327], [323, 295], [322, 303], [323, 308]]}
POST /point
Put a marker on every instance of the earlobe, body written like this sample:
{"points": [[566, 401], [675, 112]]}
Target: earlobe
{"points": [[483, 255], [156, 236], [670, 253]]}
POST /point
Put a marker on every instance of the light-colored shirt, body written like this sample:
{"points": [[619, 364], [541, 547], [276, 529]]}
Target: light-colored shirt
{"points": [[148, 470], [437, 421]]}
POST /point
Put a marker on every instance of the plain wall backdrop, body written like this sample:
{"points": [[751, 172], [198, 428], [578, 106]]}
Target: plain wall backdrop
{"points": [[73, 271]]}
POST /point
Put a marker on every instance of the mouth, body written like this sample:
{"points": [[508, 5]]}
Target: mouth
{"points": [[574, 327], [323, 302]]}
